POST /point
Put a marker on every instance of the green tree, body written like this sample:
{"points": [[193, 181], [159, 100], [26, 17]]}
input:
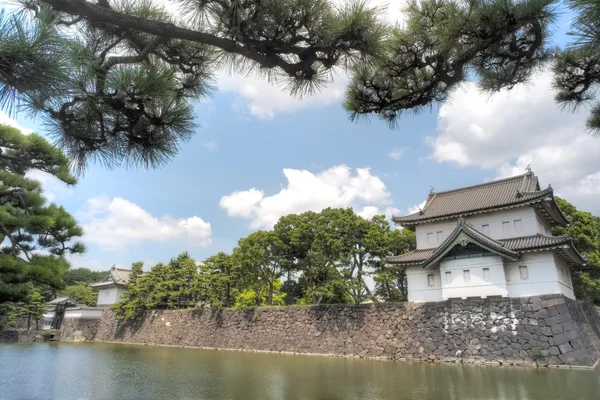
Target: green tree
{"points": [[135, 298], [32, 308], [82, 293], [584, 230], [182, 271], [248, 298], [314, 247], [260, 257], [35, 237], [73, 276], [217, 283]]}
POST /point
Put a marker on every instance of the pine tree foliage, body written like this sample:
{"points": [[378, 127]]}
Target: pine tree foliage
{"points": [[129, 70], [501, 42], [35, 237], [577, 68]]}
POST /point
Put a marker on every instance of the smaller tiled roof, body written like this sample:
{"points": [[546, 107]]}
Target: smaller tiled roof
{"points": [[116, 276], [499, 194], [519, 245], [62, 300], [412, 257], [536, 242]]}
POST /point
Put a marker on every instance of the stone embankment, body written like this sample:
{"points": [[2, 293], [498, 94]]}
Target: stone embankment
{"points": [[544, 330]]}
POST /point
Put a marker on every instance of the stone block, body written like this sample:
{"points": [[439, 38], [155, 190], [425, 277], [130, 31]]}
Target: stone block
{"points": [[557, 319], [565, 337], [554, 351], [568, 326], [554, 361], [536, 306], [552, 311], [562, 308], [542, 314], [579, 357], [552, 302], [565, 348], [546, 331], [577, 344]]}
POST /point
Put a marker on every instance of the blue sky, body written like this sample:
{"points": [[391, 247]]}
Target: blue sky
{"points": [[249, 132]]}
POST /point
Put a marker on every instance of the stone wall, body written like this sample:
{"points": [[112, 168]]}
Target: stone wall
{"points": [[544, 330], [79, 329], [13, 335]]}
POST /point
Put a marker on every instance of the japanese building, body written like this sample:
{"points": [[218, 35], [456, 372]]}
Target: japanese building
{"points": [[491, 239], [113, 286]]}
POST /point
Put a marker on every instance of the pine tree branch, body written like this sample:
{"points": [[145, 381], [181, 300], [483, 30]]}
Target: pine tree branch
{"points": [[106, 15]]}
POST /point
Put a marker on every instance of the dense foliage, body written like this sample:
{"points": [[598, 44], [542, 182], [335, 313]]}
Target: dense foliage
{"points": [[81, 292], [324, 257], [76, 275], [34, 237], [584, 230], [115, 80]]}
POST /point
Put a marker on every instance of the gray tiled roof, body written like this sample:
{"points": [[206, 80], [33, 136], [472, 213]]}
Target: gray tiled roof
{"points": [[509, 192], [520, 244]]}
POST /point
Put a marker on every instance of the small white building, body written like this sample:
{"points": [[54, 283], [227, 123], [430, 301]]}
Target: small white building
{"points": [[112, 288], [492, 239]]}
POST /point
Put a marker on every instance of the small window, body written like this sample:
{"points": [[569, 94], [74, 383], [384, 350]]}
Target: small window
{"points": [[506, 227], [430, 280], [485, 229], [439, 236], [430, 238], [467, 276], [106, 294], [486, 274], [518, 226], [448, 277], [523, 272]]}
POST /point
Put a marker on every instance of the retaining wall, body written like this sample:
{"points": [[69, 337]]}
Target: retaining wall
{"points": [[543, 330]]}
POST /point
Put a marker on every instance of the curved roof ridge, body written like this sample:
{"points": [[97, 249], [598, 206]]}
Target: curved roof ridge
{"points": [[489, 183]]}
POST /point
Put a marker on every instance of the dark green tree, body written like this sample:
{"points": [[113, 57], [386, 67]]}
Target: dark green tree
{"points": [[86, 275], [218, 282], [135, 298], [35, 236], [584, 230]]}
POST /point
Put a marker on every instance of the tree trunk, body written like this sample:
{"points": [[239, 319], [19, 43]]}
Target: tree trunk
{"points": [[270, 296], [28, 321]]}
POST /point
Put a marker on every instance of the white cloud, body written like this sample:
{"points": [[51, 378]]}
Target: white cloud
{"points": [[5, 119], [263, 99], [211, 145], [334, 187], [416, 207], [514, 129], [53, 188], [115, 223], [398, 154]]}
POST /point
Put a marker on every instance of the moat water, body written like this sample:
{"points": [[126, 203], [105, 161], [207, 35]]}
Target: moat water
{"points": [[66, 371]]}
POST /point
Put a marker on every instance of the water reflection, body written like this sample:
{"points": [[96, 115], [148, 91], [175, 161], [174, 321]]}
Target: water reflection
{"points": [[104, 371]]}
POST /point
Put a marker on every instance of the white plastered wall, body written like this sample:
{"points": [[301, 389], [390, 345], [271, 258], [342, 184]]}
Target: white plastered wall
{"points": [[542, 275], [109, 295], [84, 313], [418, 284], [563, 271], [530, 224], [454, 275]]}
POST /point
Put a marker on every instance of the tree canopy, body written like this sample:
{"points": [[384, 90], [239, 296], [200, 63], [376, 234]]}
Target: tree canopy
{"points": [[324, 257], [35, 236], [115, 80], [584, 230]]}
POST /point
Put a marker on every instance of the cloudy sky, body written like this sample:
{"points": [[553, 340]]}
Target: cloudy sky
{"points": [[259, 154]]}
